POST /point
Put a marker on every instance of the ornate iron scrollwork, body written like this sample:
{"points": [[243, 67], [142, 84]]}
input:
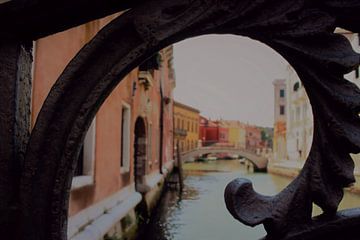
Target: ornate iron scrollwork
{"points": [[300, 30]]}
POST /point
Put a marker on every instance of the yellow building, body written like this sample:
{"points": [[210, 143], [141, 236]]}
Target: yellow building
{"points": [[186, 126], [237, 133]]}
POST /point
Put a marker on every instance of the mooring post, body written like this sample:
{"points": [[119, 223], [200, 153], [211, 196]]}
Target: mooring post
{"points": [[179, 165]]}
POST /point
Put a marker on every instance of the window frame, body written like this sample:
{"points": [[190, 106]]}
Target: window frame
{"points": [[282, 110], [282, 93], [89, 153], [125, 130]]}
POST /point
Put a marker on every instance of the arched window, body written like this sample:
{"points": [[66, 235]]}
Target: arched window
{"points": [[296, 86]]}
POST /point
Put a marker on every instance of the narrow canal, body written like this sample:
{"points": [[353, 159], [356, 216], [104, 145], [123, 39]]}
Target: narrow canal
{"points": [[200, 212]]}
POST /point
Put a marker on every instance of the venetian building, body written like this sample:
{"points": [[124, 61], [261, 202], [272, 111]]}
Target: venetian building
{"points": [[186, 126], [299, 118], [280, 111], [128, 148], [253, 138], [209, 132], [237, 133], [354, 76]]}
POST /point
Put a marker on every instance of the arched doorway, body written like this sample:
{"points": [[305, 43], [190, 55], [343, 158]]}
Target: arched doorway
{"points": [[140, 154]]}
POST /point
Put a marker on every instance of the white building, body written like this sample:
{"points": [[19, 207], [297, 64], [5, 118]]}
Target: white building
{"points": [[280, 112], [354, 77], [299, 118]]}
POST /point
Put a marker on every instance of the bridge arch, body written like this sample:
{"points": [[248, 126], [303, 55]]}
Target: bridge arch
{"points": [[259, 162], [295, 29]]}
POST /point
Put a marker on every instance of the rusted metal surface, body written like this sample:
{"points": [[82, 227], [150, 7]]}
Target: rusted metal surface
{"points": [[301, 31], [15, 91], [33, 19]]}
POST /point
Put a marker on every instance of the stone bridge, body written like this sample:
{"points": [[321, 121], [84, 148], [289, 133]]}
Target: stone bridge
{"points": [[259, 161]]}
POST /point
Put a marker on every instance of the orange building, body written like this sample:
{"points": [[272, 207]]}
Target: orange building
{"points": [[129, 146], [253, 138]]}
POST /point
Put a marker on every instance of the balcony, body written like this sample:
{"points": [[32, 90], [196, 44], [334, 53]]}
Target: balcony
{"points": [[146, 79], [180, 132]]}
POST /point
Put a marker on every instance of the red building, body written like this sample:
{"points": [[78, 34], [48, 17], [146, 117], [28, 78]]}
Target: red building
{"points": [[212, 132], [223, 132], [209, 131]]}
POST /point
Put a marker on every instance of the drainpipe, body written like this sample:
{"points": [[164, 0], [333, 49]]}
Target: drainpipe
{"points": [[161, 127]]}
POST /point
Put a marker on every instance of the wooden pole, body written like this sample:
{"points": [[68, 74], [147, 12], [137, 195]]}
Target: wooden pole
{"points": [[179, 165]]}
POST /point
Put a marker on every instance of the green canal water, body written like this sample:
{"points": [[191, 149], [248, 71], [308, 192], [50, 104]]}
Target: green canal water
{"points": [[200, 212]]}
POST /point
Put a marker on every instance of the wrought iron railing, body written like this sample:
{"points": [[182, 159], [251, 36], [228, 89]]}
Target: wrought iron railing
{"points": [[35, 188]]}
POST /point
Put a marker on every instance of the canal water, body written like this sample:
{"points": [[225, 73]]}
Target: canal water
{"points": [[199, 213]]}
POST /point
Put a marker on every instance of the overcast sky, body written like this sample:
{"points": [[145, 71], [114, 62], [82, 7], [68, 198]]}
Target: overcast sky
{"points": [[228, 77]]}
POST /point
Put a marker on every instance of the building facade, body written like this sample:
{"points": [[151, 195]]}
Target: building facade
{"points": [[253, 138], [223, 132], [354, 77], [236, 133], [186, 126], [299, 119], [128, 148], [209, 132], [279, 140]]}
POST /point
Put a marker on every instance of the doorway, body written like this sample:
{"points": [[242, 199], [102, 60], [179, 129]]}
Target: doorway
{"points": [[140, 155]]}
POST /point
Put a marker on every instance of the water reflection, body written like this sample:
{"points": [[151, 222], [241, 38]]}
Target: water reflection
{"points": [[200, 212]]}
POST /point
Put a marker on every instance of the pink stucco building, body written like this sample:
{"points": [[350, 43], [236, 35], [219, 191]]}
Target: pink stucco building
{"points": [[128, 149]]}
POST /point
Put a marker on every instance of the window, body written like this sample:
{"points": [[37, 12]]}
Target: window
{"points": [[282, 93], [84, 172], [282, 110], [296, 86], [125, 138]]}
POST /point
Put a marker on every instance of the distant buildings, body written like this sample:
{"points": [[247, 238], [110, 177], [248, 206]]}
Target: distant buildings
{"points": [[209, 131], [233, 134], [223, 132], [253, 138], [237, 133], [186, 122]]}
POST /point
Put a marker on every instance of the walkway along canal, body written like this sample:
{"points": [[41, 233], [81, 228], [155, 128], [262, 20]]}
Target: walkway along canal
{"points": [[199, 213]]}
